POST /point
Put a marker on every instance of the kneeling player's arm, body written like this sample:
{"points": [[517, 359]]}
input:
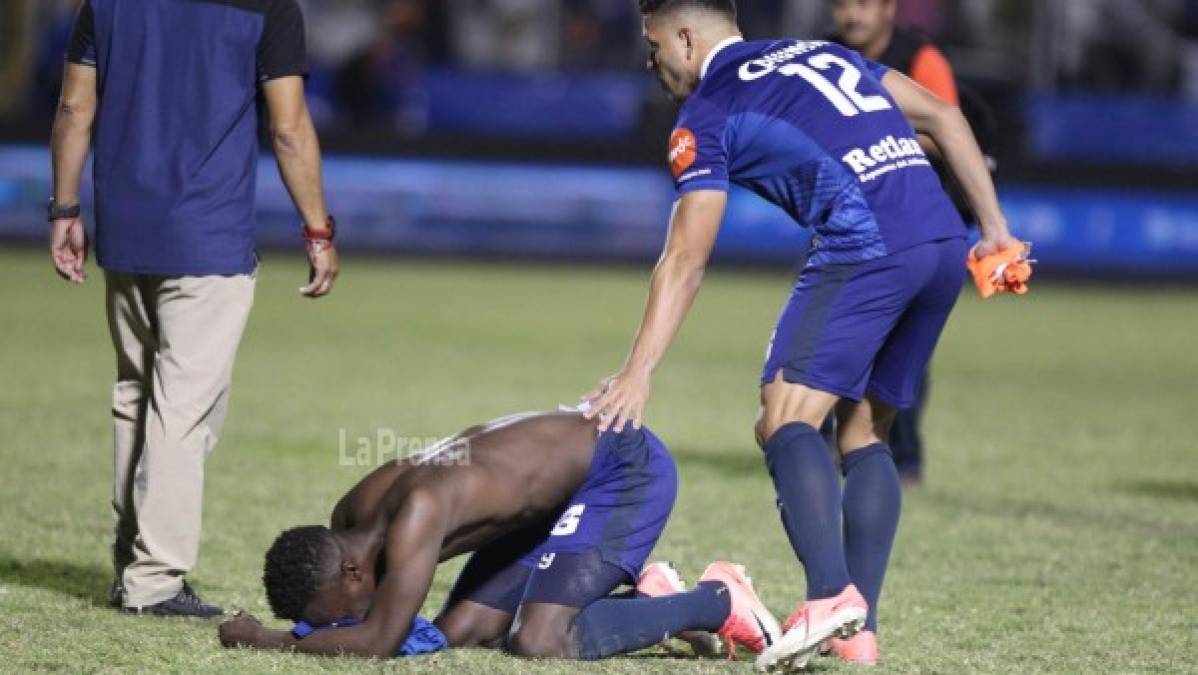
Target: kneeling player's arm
{"points": [[413, 549], [694, 225], [950, 130]]}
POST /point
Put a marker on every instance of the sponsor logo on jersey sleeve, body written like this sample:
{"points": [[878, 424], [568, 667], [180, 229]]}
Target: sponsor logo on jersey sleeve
{"points": [[684, 150]]}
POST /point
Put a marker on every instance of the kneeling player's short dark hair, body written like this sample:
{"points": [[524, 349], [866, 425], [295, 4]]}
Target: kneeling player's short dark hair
{"points": [[725, 7], [297, 564]]}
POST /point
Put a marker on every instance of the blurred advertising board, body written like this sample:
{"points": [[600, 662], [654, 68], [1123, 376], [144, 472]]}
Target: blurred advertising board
{"points": [[513, 210]]}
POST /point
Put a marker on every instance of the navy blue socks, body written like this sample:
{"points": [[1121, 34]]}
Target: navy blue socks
{"points": [[873, 498], [809, 499], [618, 625]]}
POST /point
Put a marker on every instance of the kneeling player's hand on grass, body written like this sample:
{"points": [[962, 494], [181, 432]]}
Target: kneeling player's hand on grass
{"points": [[240, 631], [619, 399]]}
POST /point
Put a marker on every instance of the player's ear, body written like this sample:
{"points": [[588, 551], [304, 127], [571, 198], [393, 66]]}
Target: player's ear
{"points": [[351, 571], [684, 34]]}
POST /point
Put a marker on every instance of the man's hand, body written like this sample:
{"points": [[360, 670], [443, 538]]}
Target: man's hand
{"points": [[68, 249], [322, 270], [240, 631], [620, 399], [996, 243]]}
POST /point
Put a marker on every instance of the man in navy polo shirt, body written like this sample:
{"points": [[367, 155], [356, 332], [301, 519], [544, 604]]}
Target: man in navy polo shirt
{"points": [[167, 91]]}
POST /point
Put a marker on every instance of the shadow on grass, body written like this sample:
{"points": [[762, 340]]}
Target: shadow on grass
{"points": [[83, 581], [1185, 491]]}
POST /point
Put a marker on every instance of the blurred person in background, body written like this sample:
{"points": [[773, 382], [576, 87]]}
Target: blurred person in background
{"points": [[175, 165], [380, 82], [516, 35], [1189, 64], [1115, 44], [868, 26], [599, 34]]}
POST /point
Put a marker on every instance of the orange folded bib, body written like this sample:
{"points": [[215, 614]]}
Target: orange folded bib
{"points": [[1003, 272]]}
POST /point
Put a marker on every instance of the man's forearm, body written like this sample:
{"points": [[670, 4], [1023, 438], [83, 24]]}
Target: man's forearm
{"points": [[297, 152], [70, 143], [952, 134], [676, 282]]}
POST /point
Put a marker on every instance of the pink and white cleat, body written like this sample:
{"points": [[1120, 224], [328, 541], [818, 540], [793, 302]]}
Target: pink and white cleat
{"points": [[815, 621], [861, 649], [662, 578], [750, 624]]}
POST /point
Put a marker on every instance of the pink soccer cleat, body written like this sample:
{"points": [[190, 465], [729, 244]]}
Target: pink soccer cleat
{"points": [[658, 579], [814, 621], [861, 649], [749, 624], [662, 578]]}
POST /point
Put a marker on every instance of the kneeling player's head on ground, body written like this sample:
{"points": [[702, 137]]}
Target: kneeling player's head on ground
{"points": [[680, 34], [310, 577]]}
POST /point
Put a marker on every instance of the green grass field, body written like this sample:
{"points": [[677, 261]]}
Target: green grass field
{"points": [[1057, 532]]}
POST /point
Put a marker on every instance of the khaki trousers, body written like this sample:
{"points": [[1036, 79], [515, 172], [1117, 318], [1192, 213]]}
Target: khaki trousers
{"points": [[175, 340]]}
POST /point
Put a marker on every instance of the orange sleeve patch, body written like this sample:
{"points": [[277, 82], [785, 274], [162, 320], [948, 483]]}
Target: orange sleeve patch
{"points": [[684, 150]]}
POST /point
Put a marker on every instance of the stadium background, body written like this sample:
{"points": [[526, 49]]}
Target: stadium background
{"points": [[479, 151]]}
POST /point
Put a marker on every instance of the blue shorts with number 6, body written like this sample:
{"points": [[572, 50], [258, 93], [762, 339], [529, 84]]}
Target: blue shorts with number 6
{"points": [[622, 507], [600, 540], [871, 327]]}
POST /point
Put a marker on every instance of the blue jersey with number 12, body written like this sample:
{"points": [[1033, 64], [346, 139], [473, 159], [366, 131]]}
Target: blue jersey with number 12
{"points": [[809, 127]]}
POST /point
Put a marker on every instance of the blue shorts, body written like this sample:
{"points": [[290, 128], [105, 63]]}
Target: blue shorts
{"points": [[868, 328], [600, 539]]}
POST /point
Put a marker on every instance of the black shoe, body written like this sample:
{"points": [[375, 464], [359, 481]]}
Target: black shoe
{"points": [[185, 603], [116, 594]]}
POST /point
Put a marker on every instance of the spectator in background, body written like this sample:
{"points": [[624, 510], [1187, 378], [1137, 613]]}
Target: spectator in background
{"points": [[869, 27], [516, 35], [380, 83], [600, 34], [1114, 44], [1189, 58]]}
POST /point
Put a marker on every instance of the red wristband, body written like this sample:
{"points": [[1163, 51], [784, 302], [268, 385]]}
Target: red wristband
{"points": [[326, 235]]}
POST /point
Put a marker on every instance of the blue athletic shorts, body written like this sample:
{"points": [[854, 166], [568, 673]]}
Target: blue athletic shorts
{"points": [[868, 328], [601, 538]]}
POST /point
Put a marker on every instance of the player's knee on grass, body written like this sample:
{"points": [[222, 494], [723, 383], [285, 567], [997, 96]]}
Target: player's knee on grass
{"points": [[470, 624], [544, 631]]}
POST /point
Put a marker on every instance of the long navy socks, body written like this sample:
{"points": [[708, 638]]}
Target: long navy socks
{"points": [[873, 498], [618, 625], [810, 501]]}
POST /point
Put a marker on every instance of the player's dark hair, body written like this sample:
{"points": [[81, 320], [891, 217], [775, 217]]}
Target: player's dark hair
{"points": [[724, 7], [296, 567]]}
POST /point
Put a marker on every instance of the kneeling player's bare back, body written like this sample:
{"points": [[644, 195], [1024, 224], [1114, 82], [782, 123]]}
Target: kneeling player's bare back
{"points": [[490, 479]]}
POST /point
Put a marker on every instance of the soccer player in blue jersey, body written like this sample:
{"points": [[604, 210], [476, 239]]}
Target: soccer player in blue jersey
{"points": [[830, 138]]}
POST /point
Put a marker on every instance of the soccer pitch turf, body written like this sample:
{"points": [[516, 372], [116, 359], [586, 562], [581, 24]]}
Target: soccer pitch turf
{"points": [[1058, 530]]}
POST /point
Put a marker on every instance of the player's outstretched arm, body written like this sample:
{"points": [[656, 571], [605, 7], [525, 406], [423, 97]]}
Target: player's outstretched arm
{"points": [[946, 126], [694, 224]]}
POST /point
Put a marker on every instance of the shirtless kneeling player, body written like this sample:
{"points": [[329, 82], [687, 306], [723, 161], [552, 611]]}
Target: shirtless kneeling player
{"points": [[558, 516]]}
